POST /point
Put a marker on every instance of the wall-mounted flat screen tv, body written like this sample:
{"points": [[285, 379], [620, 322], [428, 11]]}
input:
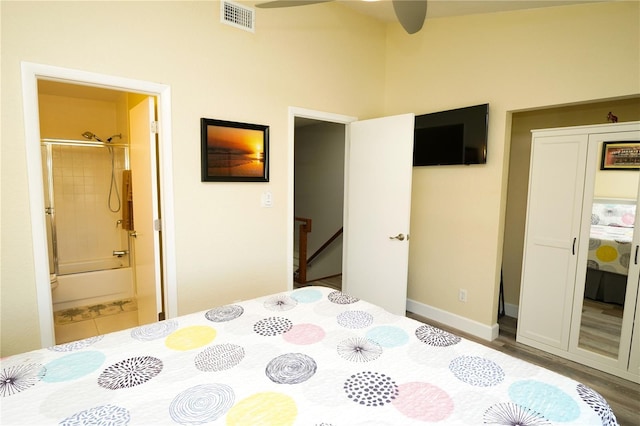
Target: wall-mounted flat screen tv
{"points": [[457, 136]]}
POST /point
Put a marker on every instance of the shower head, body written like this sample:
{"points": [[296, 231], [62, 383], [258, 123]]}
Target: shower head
{"points": [[90, 136], [119, 135]]}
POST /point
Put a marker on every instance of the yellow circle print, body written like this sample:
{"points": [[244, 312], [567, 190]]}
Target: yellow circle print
{"points": [[606, 253], [190, 337], [263, 409]]}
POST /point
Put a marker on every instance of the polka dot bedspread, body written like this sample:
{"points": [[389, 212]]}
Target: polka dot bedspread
{"points": [[312, 356]]}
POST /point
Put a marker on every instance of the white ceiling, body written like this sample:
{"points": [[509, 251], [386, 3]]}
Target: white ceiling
{"points": [[383, 9]]}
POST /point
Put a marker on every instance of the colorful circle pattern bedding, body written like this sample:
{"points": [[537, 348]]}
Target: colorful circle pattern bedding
{"points": [[313, 356]]}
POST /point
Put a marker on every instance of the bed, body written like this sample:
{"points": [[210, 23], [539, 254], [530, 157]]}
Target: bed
{"points": [[312, 356], [611, 233]]}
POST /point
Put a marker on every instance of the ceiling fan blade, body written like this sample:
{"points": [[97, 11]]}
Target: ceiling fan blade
{"points": [[288, 3], [411, 14]]}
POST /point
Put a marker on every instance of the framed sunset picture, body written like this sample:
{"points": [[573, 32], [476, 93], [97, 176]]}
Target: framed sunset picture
{"points": [[234, 152]]}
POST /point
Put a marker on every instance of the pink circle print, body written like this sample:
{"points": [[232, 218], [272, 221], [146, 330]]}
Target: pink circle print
{"points": [[304, 334], [423, 401]]}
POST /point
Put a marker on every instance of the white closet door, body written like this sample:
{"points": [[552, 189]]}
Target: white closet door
{"points": [[556, 182]]}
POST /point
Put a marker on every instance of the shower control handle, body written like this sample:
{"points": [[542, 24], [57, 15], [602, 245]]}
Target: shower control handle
{"points": [[133, 234]]}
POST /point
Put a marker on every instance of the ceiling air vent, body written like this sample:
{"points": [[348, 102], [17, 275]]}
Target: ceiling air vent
{"points": [[237, 15]]}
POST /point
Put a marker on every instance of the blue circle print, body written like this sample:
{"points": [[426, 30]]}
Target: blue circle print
{"points": [[73, 366], [546, 399], [388, 336], [307, 295]]}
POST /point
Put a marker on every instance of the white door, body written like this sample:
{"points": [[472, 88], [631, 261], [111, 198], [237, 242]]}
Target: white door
{"points": [[146, 243], [556, 181], [377, 211]]}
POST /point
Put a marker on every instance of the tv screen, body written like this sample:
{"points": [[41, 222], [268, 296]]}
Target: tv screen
{"points": [[457, 136]]}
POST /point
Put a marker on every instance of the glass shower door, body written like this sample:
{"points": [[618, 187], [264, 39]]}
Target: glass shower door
{"points": [[83, 185]]}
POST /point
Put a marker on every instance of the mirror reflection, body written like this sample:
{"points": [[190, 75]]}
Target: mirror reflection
{"points": [[612, 227]]}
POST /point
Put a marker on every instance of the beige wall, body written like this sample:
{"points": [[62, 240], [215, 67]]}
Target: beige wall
{"points": [[514, 61], [322, 57]]}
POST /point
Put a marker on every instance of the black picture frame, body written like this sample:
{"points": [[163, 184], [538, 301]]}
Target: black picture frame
{"points": [[233, 151], [620, 155]]}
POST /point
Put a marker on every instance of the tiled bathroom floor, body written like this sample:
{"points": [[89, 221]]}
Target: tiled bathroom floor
{"points": [[80, 323]]}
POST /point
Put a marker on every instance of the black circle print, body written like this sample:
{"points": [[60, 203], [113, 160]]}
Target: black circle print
{"points": [[594, 400], [130, 372], [280, 303], [359, 349], [436, 337], [103, 415], [219, 357], [371, 389], [272, 326], [341, 298], [201, 404], [476, 371], [224, 313], [355, 319], [76, 345], [20, 377], [508, 413], [291, 368], [156, 330]]}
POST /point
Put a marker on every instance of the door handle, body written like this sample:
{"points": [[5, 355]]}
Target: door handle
{"points": [[133, 234], [398, 237]]}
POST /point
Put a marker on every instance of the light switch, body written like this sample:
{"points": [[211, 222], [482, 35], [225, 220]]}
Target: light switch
{"points": [[267, 199]]}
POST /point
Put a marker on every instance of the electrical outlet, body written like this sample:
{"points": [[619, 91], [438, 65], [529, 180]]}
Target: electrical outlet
{"points": [[462, 295]]}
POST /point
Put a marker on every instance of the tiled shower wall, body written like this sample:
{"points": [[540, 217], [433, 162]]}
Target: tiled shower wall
{"points": [[87, 231]]}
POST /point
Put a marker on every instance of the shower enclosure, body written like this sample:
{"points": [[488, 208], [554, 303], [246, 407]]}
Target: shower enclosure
{"points": [[89, 248]]}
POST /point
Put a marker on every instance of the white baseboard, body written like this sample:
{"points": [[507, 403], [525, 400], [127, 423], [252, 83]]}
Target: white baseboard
{"points": [[472, 327], [511, 310]]}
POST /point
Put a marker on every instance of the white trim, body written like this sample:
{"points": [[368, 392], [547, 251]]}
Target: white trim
{"points": [[511, 310], [314, 115], [456, 321], [31, 72], [583, 357]]}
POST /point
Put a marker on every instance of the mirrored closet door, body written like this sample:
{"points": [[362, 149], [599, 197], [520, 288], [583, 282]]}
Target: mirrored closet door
{"points": [[605, 297]]}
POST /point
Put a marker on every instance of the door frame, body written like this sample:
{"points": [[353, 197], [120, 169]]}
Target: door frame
{"points": [[319, 116], [31, 73]]}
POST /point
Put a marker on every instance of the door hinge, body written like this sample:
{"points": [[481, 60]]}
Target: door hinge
{"points": [[161, 316], [154, 127], [157, 225]]}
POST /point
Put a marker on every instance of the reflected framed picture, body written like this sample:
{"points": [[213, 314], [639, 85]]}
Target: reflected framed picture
{"points": [[620, 155], [234, 152]]}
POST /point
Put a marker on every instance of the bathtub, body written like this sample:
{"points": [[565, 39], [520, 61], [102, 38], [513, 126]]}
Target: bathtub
{"points": [[91, 288]]}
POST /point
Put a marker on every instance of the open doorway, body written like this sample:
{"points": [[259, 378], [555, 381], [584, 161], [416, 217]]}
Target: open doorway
{"points": [[377, 204], [319, 164], [311, 134], [76, 89]]}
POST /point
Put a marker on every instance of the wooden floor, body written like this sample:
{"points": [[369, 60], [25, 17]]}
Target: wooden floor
{"points": [[600, 327], [623, 395]]}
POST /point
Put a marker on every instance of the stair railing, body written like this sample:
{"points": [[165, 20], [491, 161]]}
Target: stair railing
{"points": [[324, 246], [305, 227], [300, 275]]}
